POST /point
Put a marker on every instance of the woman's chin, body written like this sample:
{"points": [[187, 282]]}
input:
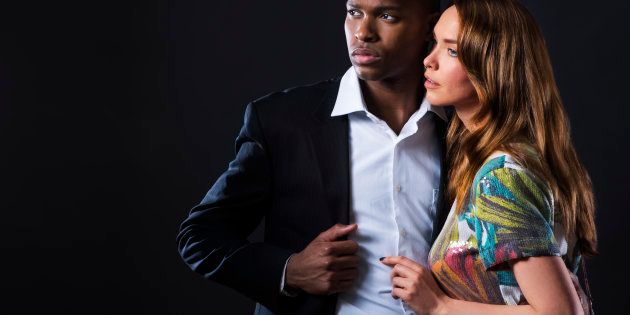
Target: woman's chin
{"points": [[436, 101]]}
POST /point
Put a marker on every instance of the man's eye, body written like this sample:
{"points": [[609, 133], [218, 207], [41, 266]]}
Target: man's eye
{"points": [[452, 52], [388, 17], [353, 12]]}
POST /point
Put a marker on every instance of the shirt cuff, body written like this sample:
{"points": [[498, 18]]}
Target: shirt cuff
{"points": [[284, 288]]}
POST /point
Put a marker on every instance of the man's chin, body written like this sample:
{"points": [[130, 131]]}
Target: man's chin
{"points": [[369, 74]]}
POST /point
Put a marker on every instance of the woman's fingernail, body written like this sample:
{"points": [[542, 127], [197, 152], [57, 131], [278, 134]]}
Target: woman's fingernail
{"points": [[381, 259]]}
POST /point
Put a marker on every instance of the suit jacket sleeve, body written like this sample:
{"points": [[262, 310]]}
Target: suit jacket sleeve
{"points": [[213, 239]]}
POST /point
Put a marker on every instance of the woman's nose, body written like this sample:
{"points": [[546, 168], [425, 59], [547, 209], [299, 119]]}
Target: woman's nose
{"points": [[430, 61]]}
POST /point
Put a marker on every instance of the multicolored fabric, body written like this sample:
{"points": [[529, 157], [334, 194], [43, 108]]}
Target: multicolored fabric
{"points": [[508, 215]]}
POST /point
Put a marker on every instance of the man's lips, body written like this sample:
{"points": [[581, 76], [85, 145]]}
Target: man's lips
{"points": [[364, 56], [430, 84]]}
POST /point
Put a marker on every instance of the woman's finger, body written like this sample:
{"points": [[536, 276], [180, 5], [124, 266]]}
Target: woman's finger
{"points": [[400, 282], [403, 271], [402, 260], [399, 293]]}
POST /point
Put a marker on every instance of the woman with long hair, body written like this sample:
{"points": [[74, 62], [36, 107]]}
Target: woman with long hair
{"points": [[523, 208]]}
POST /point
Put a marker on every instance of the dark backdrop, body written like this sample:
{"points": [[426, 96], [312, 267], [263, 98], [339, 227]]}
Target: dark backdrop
{"points": [[117, 116]]}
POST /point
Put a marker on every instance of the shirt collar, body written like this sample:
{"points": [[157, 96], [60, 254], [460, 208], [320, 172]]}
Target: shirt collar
{"points": [[350, 98]]}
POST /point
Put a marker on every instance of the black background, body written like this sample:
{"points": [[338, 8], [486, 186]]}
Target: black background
{"points": [[116, 117]]}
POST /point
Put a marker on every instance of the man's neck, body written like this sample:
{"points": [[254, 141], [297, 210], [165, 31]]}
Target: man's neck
{"points": [[393, 101]]}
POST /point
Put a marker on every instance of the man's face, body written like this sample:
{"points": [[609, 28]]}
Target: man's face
{"points": [[386, 38]]}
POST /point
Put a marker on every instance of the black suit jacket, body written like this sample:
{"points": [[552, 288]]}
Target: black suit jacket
{"points": [[291, 168]]}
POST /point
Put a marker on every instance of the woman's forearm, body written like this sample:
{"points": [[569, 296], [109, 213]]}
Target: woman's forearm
{"points": [[456, 307]]}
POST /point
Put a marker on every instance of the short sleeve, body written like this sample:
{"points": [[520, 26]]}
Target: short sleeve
{"points": [[513, 217]]}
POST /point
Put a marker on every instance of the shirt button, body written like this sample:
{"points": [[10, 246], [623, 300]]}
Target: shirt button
{"points": [[403, 233], [397, 188]]}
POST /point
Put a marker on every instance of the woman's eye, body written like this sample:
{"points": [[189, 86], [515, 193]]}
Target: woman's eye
{"points": [[452, 52]]}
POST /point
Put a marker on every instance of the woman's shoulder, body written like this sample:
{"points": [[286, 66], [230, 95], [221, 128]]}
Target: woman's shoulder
{"points": [[498, 161], [504, 181]]}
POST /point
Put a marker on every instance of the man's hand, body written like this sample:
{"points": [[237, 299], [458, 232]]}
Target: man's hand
{"points": [[327, 265]]}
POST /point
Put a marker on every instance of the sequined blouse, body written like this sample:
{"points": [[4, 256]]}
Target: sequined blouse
{"points": [[508, 215]]}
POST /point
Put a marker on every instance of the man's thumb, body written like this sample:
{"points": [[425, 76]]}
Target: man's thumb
{"points": [[336, 232]]}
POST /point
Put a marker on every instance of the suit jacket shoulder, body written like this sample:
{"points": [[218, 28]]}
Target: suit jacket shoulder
{"points": [[295, 106]]}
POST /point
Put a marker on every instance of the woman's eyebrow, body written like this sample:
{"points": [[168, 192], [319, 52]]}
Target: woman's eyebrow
{"points": [[447, 40]]}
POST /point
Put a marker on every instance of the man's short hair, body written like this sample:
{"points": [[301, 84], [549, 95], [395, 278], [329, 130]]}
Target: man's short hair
{"points": [[431, 5]]}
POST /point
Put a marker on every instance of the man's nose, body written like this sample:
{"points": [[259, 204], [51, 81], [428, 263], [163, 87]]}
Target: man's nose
{"points": [[365, 31]]}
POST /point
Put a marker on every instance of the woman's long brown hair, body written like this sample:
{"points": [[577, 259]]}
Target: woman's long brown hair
{"points": [[504, 54]]}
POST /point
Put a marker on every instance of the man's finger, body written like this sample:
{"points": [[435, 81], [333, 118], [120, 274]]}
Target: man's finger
{"points": [[345, 262], [347, 247], [345, 275], [336, 231]]}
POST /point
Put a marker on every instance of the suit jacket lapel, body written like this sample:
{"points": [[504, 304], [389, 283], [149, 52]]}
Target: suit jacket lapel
{"points": [[331, 149]]}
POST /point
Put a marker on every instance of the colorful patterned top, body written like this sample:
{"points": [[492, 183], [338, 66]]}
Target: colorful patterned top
{"points": [[508, 215]]}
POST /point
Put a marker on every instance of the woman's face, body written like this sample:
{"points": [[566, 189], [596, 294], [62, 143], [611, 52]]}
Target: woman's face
{"points": [[446, 80]]}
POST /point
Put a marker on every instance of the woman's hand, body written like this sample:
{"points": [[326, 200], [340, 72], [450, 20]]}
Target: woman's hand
{"points": [[415, 285]]}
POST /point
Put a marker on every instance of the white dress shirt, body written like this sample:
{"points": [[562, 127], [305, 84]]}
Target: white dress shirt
{"points": [[395, 181]]}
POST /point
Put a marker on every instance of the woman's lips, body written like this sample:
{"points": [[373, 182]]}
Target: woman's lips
{"points": [[364, 56], [430, 84]]}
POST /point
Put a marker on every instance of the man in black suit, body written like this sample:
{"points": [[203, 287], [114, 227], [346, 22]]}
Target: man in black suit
{"points": [[310, 163]]}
